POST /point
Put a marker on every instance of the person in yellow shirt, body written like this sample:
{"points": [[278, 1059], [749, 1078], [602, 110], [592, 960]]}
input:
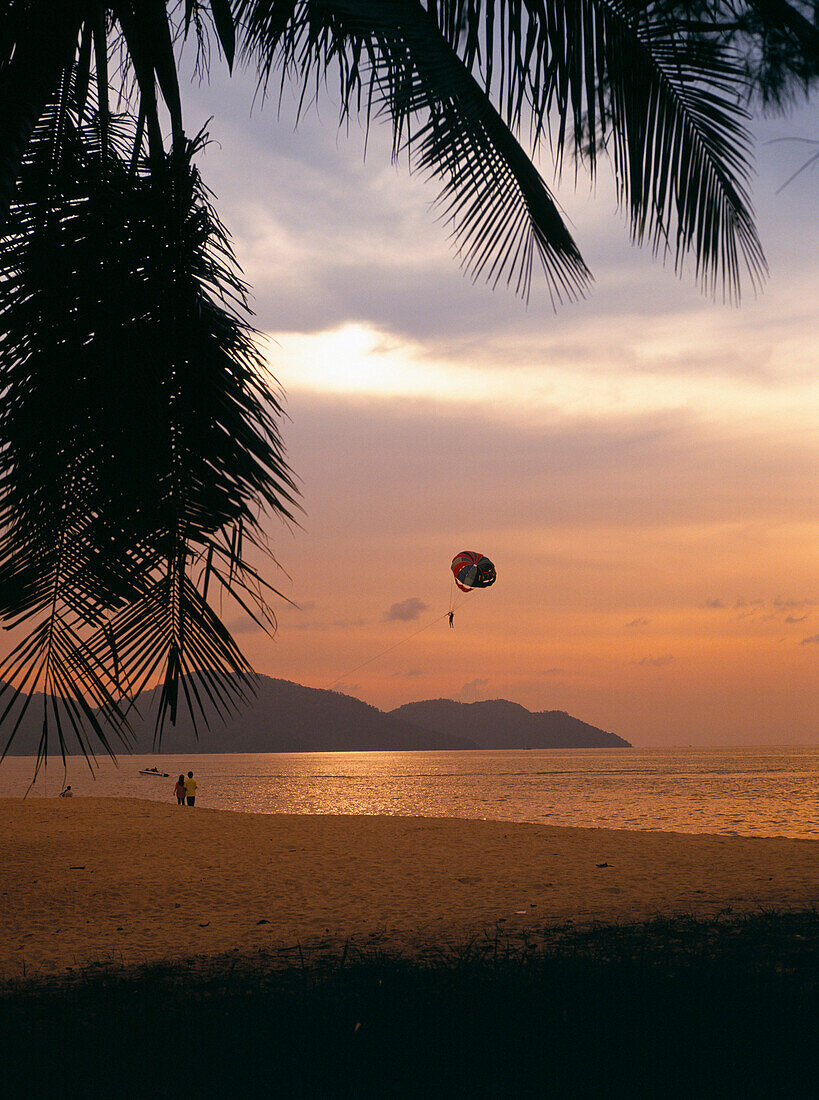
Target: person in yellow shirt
{"points": [[190, 789]]}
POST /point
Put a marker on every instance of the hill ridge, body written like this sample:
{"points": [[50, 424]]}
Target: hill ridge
{"points": [[502, 724], [285, 716]]}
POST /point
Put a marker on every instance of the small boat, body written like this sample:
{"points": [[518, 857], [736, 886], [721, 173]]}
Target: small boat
{"points": [[155, 772]]}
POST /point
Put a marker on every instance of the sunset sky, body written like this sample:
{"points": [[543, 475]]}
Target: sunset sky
{"points": [[640, 466]]}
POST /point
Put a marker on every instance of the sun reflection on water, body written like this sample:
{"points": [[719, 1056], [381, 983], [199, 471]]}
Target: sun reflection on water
{"points": [[753, 792]]}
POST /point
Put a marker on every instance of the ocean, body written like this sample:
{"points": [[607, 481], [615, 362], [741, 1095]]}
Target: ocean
{"points": [[742, 791]]}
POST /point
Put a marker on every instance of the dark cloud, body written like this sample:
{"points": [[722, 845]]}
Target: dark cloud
{"points": [[749, 609], [654, 662], [405, 611], [765, 611], [812, 640], [409, 674], [638, 622], [325, 238], [553, 672]]}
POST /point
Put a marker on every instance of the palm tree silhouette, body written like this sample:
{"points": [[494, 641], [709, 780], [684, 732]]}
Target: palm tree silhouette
{"points": [[139, 429]]}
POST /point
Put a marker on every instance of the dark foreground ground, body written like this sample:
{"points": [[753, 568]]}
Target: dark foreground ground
{"points": [[722, 1008]]}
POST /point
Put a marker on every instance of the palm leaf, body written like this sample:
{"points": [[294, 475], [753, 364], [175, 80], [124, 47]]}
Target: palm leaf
{"points": [[142, 426], [622, 76], [38, 41], [588, 75], [393, 57]]}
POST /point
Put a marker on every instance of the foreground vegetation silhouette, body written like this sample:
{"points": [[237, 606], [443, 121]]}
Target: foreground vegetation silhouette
{"points": [[672, 1007]]}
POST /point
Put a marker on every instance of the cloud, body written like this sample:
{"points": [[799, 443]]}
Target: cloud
{"points": [[343, 688], [638, 622], [743, 604], [326, 238], [553, 671], [243, 625], [791, 605], [768, 609], [749, 609], [469, 692], [778, 606], [654, 662], [812, 640], [405, 611], [408, 674]]}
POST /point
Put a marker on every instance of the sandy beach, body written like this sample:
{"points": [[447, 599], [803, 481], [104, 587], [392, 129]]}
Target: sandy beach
{"points": [[127, 882]]}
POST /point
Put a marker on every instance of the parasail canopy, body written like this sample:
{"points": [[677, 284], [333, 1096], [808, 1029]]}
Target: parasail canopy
{"points": [[472, 570]]}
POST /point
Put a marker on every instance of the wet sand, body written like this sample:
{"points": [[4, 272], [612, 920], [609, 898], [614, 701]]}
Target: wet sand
{"points": [[127, 882]]}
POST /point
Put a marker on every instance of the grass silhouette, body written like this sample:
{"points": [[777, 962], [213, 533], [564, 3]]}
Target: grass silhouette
{"points": [[674, 1007]]}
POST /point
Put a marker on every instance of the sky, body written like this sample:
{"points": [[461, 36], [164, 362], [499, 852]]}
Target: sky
{"points": [[641, 466]]}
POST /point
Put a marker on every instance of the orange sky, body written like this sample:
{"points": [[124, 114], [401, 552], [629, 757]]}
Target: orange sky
{"points": [[666, 610], [640, 466]]}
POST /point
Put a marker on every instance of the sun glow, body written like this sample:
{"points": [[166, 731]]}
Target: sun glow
{"points": [[353, 359], [651, 374]]}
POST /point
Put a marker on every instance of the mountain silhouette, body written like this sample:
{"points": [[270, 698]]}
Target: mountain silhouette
{"points": [[281, 717], [499, 724], [288, 717]]}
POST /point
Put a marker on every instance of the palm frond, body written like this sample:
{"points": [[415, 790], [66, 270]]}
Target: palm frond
{"points": [[38, 41], [140, 425], [624, 77], [681, 152], [392, 58], [618, 75], [776, 40]]}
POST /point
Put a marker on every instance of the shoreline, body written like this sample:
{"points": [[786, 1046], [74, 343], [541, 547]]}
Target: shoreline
{"points": [[131, 882]]}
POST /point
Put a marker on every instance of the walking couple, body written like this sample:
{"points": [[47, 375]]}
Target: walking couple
{"points": [[185, 790]]}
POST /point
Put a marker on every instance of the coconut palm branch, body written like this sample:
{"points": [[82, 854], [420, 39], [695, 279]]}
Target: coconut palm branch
{"points": [[459, 80], [584, 74], [139, 432], [391, 58], [777, 40]]}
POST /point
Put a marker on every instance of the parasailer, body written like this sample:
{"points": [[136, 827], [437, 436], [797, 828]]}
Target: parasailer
{"points": [[472, 570]]}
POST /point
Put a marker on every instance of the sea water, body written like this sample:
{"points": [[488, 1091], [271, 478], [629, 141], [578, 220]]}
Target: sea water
{"points": [[744, 791]]}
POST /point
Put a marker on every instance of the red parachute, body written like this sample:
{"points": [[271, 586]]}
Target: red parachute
{"points": [[472, 570]]}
